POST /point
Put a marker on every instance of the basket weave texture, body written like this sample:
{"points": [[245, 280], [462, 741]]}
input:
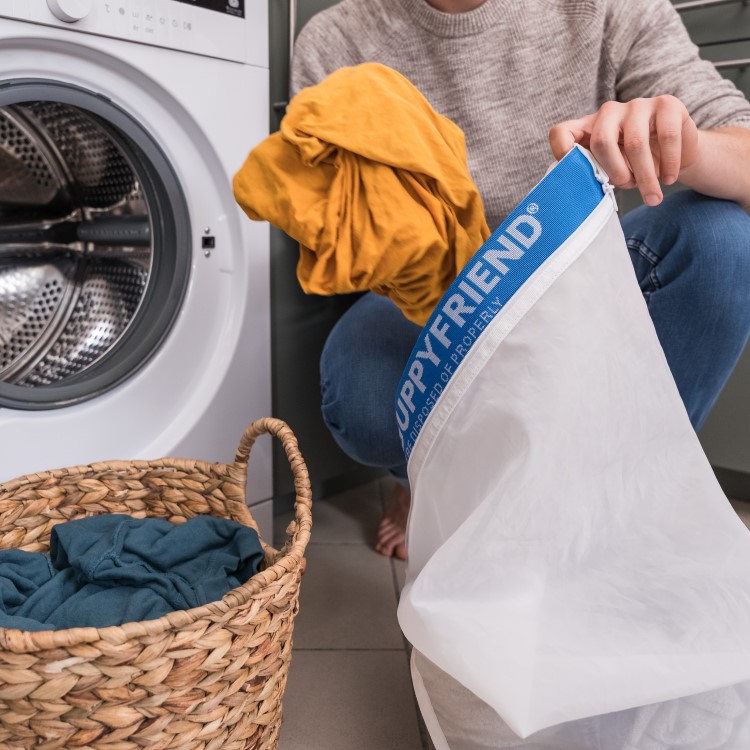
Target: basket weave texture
{"points": [[207, 678]]}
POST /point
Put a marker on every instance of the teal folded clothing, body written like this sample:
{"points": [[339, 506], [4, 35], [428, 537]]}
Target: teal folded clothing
{"points": [[111, 569]]}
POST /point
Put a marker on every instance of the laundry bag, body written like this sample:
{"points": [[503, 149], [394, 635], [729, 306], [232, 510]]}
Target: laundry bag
{"points": [[208, 678], [570, 553]]}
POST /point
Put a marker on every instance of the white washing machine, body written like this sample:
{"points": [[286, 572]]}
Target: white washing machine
{"points": [[134, 294]]}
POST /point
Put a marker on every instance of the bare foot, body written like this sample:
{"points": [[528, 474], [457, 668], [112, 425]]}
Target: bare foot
{"points": [[391, 537]]}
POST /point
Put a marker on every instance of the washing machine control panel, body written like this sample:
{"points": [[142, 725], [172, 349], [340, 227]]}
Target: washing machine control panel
{"points": [[69, 10], [232, 7], [227, 29]]}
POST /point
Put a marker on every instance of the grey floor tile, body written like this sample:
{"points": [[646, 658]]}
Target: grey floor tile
{"points": [[349, 517], [346, 700], [347, 600]]}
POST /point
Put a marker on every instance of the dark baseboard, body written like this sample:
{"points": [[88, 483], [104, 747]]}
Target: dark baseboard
{"points": [[736, 485], [330, 487]]}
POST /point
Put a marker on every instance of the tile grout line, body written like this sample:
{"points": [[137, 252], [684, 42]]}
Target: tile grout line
{"points": [[424, 741], [423, 734]]}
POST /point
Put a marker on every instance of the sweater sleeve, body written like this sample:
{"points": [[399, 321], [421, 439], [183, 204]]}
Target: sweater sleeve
{"points": [[652, 54]]}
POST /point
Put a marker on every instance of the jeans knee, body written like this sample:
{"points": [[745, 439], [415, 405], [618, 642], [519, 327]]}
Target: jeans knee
{"points": [[334, 418], [715, 230], [362, 436], [698, 242], [336, 403], [721, 251], [360, 367]]}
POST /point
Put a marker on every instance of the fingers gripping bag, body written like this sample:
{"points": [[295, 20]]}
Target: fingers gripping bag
{"points": [[576, 577]]}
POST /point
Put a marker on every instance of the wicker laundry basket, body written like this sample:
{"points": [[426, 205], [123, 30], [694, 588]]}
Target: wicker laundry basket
{"points": [[211, 677]]}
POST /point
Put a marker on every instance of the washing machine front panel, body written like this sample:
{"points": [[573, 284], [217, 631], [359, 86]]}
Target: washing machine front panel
{"points": [[210, 376], [226, 29]]}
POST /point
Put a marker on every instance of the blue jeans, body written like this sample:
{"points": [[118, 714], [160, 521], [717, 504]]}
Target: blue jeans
{"points": [[691, 255]]}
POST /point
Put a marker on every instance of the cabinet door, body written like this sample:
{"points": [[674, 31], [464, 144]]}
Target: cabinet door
{"points": [[300, 322]]}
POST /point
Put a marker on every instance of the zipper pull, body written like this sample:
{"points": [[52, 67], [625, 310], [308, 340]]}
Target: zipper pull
{"points": [[609, 189], [601, 176]]}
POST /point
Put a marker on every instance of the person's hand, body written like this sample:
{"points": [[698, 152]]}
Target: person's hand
{"points": [[637, 143]]}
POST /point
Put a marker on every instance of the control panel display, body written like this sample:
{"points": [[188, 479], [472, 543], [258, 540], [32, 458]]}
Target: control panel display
{"points": [[230, 7]]}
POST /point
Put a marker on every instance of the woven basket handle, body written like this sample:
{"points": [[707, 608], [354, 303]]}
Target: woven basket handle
{"points": [[303, 500]]}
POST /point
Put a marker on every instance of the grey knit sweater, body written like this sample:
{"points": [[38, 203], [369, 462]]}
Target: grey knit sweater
{"points": [[509, 70]]}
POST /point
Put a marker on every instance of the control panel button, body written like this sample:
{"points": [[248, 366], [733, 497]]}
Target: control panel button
{"points": [[70, 10]]}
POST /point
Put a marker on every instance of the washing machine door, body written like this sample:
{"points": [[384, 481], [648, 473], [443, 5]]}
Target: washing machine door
{"points": [[94, 245]]}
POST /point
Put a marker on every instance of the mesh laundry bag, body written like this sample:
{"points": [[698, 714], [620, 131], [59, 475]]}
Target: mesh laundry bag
{"points": [[570, 551]]}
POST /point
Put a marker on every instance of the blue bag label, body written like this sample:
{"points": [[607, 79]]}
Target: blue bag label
{"points": [[540, 224]]}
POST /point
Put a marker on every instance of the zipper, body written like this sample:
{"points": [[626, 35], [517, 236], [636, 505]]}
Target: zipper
{"points": [[602, 177]]}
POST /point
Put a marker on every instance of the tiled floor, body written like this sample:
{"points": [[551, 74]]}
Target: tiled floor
{"points": [[349, 685]]}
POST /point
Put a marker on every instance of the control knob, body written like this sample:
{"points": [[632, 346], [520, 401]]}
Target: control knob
{"points": [[69, 11]]}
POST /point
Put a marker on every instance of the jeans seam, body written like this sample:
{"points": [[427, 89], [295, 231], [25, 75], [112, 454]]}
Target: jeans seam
{"points": [[640, 247]]}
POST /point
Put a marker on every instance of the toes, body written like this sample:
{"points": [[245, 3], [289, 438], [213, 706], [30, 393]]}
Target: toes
{"points": [[391, 543], [386, 530], [390, 536], [386, 548], [390, 539]]}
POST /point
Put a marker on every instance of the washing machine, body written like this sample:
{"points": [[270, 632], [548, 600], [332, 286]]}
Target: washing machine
{"points": [[134, 294]]}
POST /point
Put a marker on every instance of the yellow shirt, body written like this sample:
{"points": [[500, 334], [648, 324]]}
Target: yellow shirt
{"points": [[373, 184]]}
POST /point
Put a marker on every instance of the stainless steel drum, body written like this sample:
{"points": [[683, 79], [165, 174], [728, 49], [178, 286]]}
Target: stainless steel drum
{"points": [[94, 247]]}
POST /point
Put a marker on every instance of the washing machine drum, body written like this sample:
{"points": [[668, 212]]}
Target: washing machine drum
{"points": [[94, 249]]}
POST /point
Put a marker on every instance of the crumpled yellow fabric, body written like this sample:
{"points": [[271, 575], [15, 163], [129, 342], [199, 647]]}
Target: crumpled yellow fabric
{"points": [[373, 184]]}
